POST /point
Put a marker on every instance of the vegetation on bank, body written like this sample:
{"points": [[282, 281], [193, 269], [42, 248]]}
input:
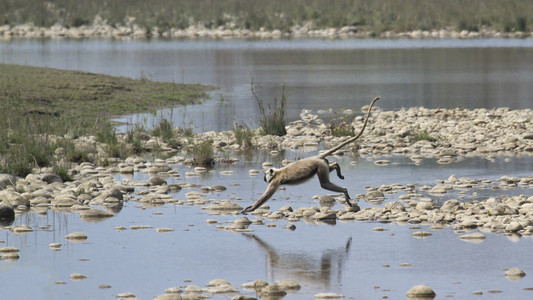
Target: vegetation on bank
{"points": [[42, 112], [371, 15]]}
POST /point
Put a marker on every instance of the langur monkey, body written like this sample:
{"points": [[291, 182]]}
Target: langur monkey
{"points": [[302, 170]]}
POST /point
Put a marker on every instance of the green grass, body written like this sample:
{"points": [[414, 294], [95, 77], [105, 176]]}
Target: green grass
{"points": [[43, 111], [373, 15], [340, 124], [244, 136], [202, 153], [60, 93], [423, 136]]}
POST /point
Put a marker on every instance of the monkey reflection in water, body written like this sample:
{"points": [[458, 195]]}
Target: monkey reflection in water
{"points": [[303, 267]]}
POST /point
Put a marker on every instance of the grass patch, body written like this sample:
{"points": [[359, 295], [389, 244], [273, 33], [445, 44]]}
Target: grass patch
{"points": [[340, 124], [62, 172], [272, 116], [203, 153], [423, 135], [244, 136], [60, 93], [43, 111]]}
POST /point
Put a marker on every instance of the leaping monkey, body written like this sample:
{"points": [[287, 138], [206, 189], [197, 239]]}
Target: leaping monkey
{"points": [[302, 170]]}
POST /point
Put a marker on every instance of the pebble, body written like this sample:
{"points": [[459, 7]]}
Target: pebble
{"points": [[164, 229], [76, 236], [54, 246], [421, 234], [515, 274], [9, 250], [473, 236], [328, 296], [77, 276], [272, 290], [125, 295], [138, 227]]}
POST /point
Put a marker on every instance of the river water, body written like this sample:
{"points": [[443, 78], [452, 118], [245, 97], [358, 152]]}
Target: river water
{"points": [[317, 74], [349, 257]]}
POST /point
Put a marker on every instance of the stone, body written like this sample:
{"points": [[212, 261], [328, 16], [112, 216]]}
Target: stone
{"points": [[115, 193], [125, 295], [327, 200], [95, 214], [255, 285], [77, 276], [76, 236], [9, 250], [272, 290], [375, 195], [21, 229], [421, 234], [7, 180], [328, 296], [421, 291], [513, 227], [225, 205], [6, 212], [395, 206], [515, 274], [157, 180], [473, 236], [288, 285], [51, 178]]}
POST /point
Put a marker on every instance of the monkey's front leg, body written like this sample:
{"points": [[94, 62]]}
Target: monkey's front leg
{"points": [[272, 187]]}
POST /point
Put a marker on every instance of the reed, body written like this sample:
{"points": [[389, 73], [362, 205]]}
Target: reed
{"points": [[272, 118]]}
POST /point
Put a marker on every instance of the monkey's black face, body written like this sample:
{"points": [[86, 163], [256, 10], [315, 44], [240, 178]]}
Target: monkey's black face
{"points": [[269, 174]]}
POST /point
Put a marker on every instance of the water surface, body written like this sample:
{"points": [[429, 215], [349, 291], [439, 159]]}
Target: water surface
{"points": [[317, 74], [349, 257]]}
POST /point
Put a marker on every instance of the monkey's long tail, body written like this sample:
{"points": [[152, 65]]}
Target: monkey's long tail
{"points": [[332, 150]]}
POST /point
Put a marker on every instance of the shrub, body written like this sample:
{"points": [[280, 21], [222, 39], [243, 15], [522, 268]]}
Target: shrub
{"points": [[203, 153], [340, 124], [62, 172], [244, 136]]}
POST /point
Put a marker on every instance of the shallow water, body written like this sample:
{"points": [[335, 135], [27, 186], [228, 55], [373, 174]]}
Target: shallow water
{"points": [[317, 74], [348, 257]]}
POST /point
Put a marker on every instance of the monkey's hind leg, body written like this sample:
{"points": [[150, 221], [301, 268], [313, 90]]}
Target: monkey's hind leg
{"points": [[326, 184], [336, 166]]}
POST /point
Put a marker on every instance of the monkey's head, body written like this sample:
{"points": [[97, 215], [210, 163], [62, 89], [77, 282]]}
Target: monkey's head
{"points": [[269, 175]]}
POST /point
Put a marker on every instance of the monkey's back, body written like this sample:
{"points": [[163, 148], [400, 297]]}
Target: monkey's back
{"points": [[301, 170]]}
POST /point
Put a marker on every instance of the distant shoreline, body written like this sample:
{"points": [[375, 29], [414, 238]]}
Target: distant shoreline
{"points": [[103, 30]]}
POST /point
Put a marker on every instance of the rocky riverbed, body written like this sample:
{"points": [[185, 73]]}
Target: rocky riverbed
{"points": [[101, 29], [99, 192]]}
